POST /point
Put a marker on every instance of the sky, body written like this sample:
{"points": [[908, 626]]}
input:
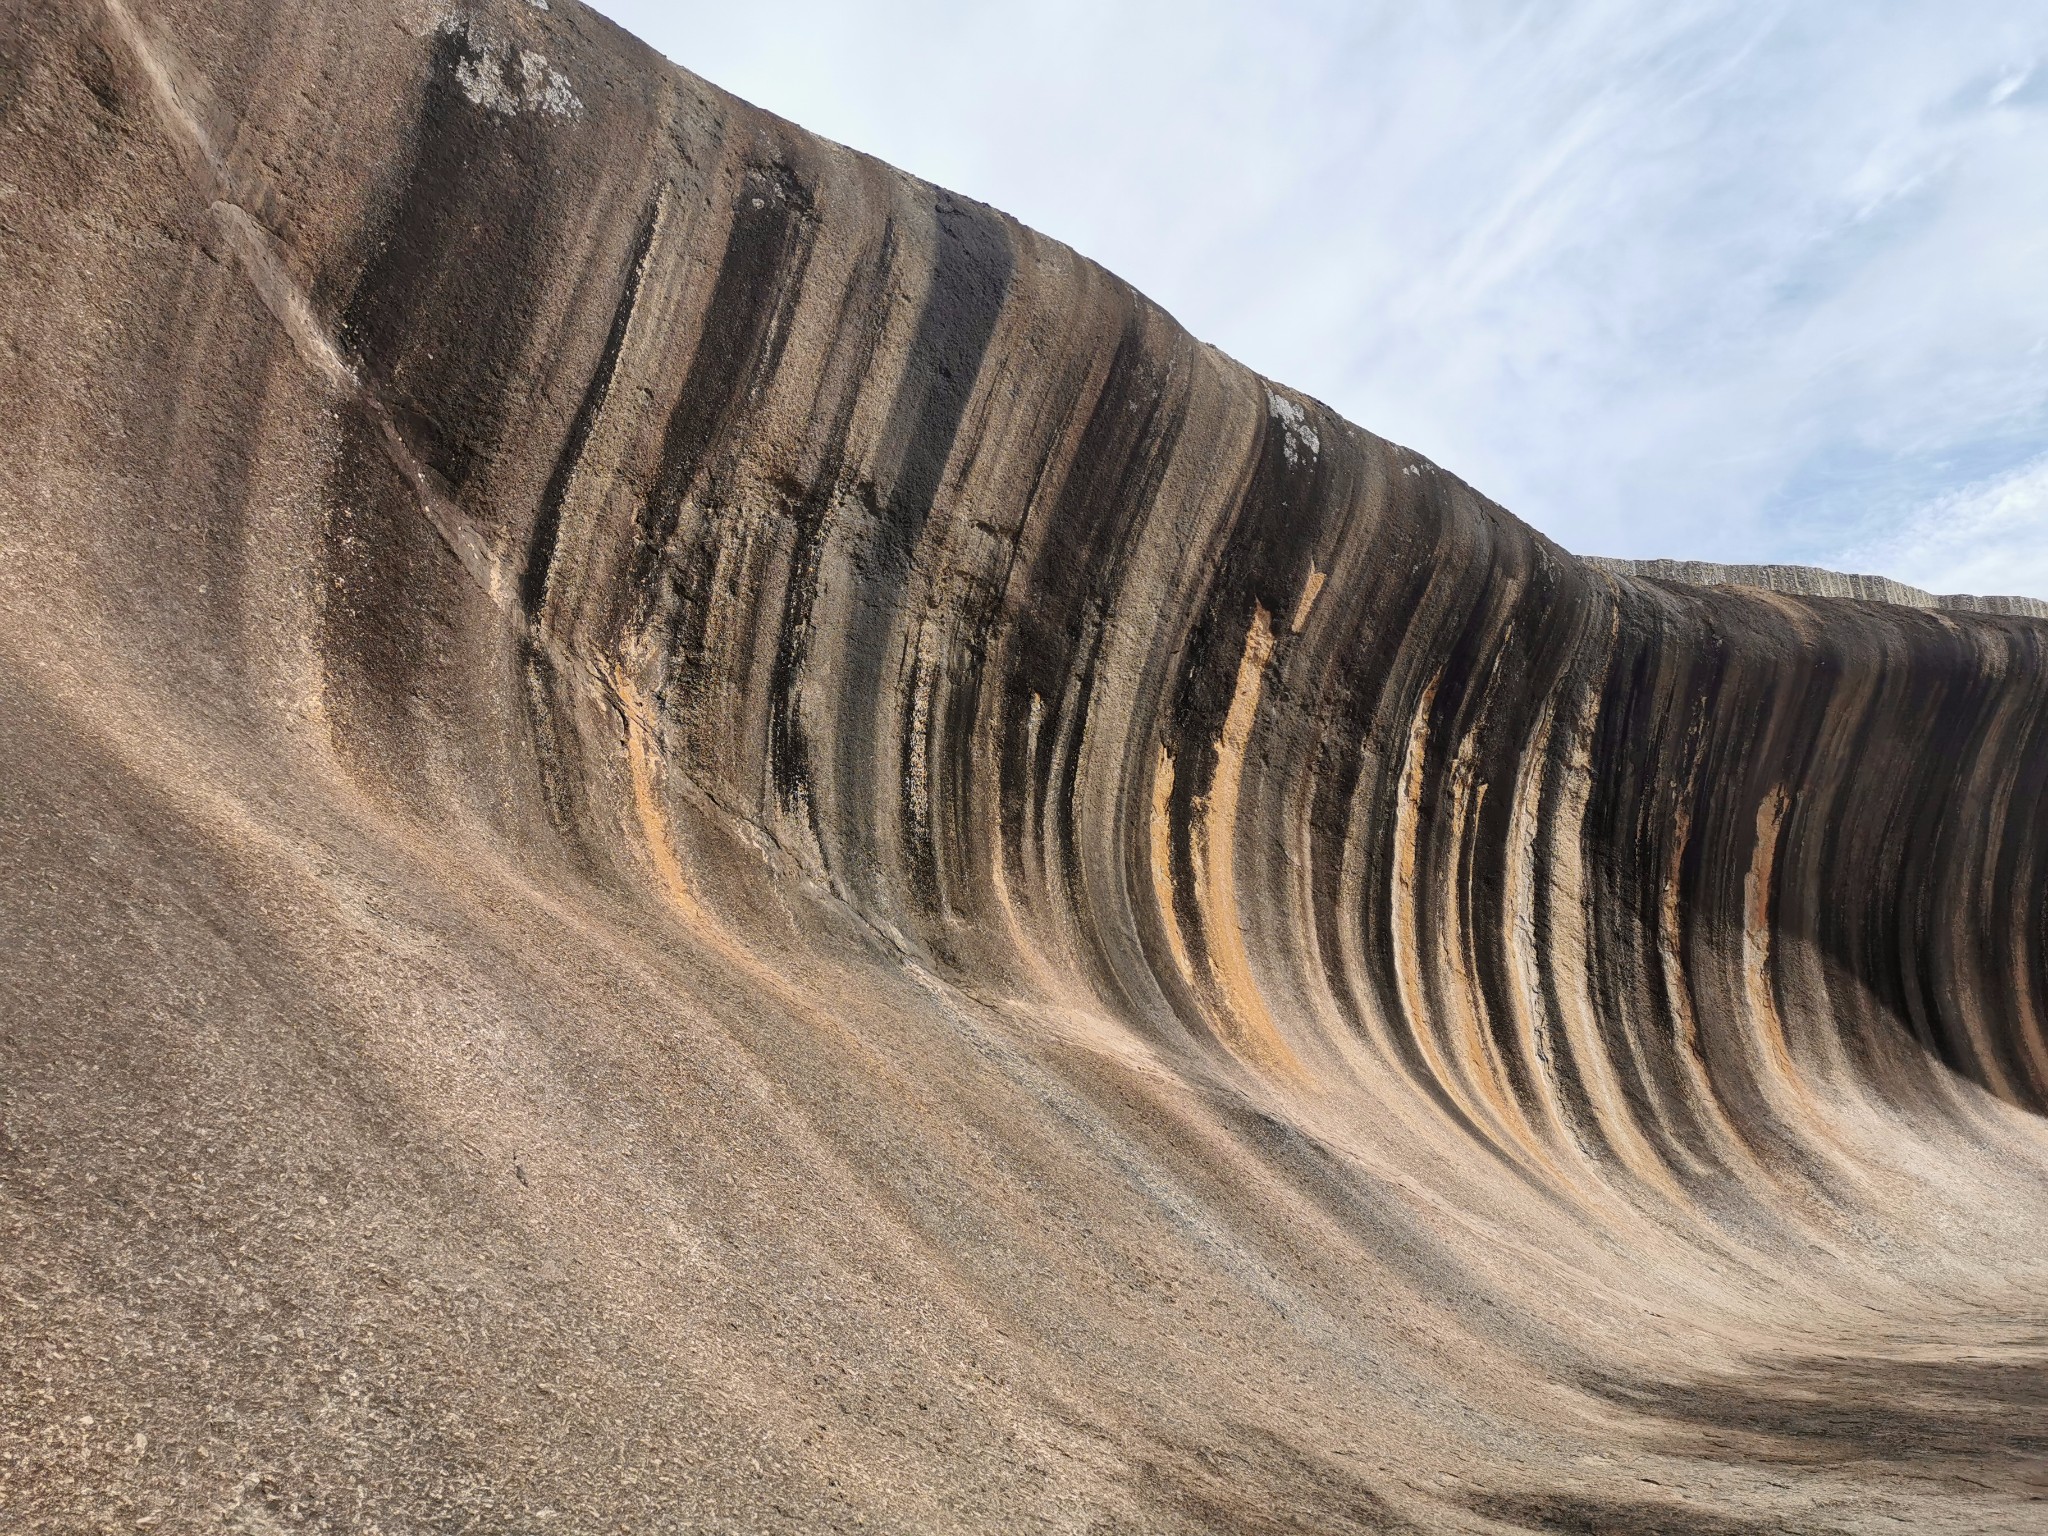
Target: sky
{"points": [[1737, 280]]}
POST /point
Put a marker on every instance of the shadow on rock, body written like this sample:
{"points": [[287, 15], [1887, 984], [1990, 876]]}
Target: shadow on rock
{"points": [[1967, 1423], [1583, 1515]]}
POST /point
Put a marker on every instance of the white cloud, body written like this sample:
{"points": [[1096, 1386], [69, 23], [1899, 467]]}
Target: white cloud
{"points": [[1988, 537], [1719, 279]]}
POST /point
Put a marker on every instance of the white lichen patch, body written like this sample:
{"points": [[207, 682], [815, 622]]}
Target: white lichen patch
{"points": [[1300, 437], [502, 77], [545, 89], [484, 84]]}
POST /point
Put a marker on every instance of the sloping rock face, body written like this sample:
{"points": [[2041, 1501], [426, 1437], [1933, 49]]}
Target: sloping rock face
{"points": [[1809, 581], [696, 838]]}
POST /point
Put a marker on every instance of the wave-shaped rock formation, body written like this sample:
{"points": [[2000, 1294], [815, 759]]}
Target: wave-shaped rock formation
{"points": [[1809, 581], [697, 838]]}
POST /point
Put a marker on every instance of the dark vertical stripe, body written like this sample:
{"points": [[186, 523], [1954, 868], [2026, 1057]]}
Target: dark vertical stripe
{"points": [[442, 312], [1095, 517], [1264, 562], [745, 324], [862, 312], [547, 523], [970, 280], [973, 262]]}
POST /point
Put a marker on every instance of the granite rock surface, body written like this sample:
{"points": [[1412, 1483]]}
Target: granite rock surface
{"points": [[693, 837]]}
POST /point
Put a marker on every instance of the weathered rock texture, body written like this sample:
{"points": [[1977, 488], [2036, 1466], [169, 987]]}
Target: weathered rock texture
{"points": [[698, 838], [1808, 581]]}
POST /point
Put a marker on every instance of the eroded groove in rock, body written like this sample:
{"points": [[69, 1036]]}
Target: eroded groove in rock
{"points": [[699, 836]]}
